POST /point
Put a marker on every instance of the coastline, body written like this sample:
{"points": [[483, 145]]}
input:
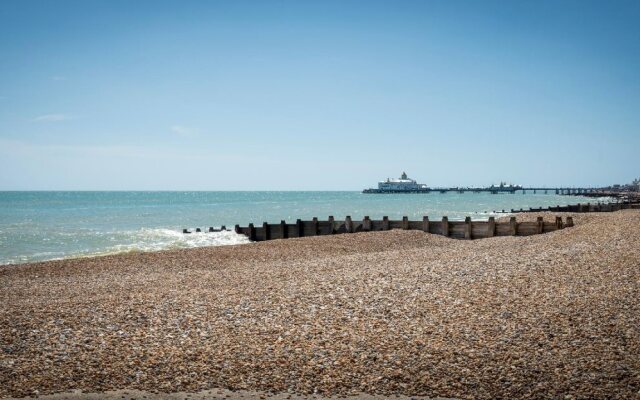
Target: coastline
{"points": [[398, 312]]}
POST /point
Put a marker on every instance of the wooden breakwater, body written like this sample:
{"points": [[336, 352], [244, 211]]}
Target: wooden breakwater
{"points": [[466, 229], [581, 208]]}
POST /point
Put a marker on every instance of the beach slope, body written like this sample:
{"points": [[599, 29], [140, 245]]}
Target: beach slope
{"points": [[399, 312]]}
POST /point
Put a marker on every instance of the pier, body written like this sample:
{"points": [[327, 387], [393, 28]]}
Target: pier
{"points": [[494, 190]]}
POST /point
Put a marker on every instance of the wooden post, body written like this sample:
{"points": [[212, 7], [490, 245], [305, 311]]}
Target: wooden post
{"points": [[223, 228], [467, 228], [425, 224], [445, 226], [366, 224], [198, 230], [514, 226], [265, 229], [316, 226], [569, 222], [300, 227], [348, 224], [405, 223], [237, 229], [252, 233], [211, 229], [332, 224], [283, 230], [385, 223], [559, 222], [491, 227], [540, 227]]}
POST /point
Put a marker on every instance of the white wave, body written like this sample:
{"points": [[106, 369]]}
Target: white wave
{"points": [[143, 240], [163, 239]]}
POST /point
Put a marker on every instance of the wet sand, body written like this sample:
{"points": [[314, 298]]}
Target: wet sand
{"points": [[384, 313]]}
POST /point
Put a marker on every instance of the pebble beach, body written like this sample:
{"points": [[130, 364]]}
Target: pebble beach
{"points": [[368, 314]]}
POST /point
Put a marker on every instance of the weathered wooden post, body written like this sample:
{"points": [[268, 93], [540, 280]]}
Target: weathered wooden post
{"points": [[332, 224], [316, 226], [265, 229], [513, 224], [223, 228], [237, 229], [300, 228], [491, 227], [559, 222], [425, 224], [467, 228], [445, 226], [348, 224], [283, 230], [185, 230], [540, 227], [569, 222], [252, 233], [211, 229], [366, 224], [385, 223], [405, 223], [198, 230]]}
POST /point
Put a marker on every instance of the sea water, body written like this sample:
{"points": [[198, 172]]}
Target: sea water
{"points": [[36, 226]]}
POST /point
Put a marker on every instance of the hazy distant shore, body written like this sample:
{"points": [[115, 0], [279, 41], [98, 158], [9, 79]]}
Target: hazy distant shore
{"points": [[398, 312]]}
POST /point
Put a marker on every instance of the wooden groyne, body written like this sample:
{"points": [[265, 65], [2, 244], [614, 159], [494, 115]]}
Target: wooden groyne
{"points": [[466, 229], [581, 207]]}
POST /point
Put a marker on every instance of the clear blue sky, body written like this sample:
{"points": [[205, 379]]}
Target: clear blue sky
{"points": [[286, 95]]}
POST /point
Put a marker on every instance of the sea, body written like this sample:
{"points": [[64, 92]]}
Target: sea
{"points": [[39, 226]]}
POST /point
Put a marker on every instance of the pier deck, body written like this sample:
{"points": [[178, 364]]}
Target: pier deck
{"points": [[493, 190]]}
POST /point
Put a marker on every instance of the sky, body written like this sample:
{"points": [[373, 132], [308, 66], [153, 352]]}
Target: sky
{"points": [[317, 95]]}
